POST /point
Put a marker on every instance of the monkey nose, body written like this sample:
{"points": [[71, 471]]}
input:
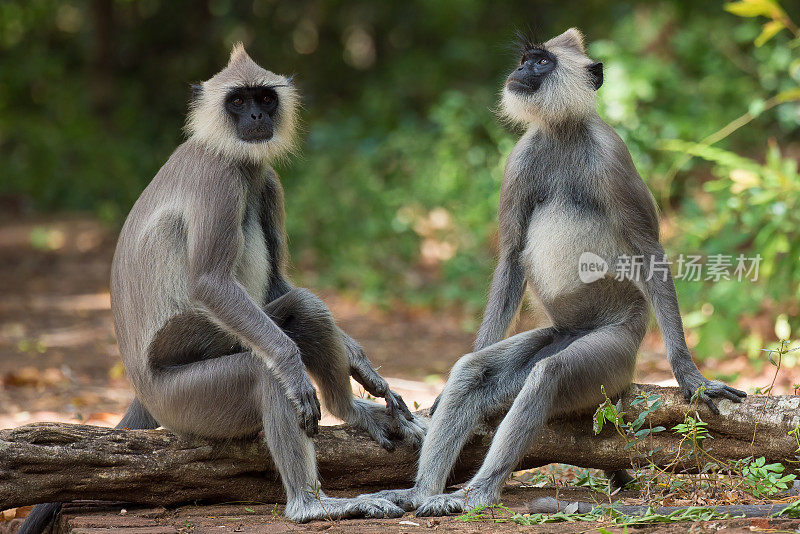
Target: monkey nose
{"points": [[253, 115]]}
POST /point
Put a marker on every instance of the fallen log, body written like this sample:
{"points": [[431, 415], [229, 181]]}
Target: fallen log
{"points": [[46, 462]]}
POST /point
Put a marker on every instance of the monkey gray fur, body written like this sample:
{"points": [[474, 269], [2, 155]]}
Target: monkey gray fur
{"points": [[215, 339], [569, 187]]}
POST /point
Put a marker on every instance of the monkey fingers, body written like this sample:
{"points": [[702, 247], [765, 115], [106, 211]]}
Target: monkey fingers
{"points": [[384, 429], [708, 390], [368, 377], [309, 411], [395, 404], [363, 373]]}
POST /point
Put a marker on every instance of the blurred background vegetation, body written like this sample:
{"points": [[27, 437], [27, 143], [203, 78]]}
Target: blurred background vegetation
{"points": [[394, 195]]}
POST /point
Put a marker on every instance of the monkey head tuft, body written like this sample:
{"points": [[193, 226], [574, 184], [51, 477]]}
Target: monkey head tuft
{"points": [[244, 112], [554, 82]]}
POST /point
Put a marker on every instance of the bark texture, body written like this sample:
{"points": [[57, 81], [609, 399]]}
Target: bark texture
{"points": [[48, 462]]}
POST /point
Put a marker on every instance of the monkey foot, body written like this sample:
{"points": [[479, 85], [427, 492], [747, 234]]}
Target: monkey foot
{"points": [[322, 508], [407, 499], [453, 503]]}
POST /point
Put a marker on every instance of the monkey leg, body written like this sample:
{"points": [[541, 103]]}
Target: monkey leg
{"points": [[308, 322], [293, 453], [564, 382], [236, 396], [481, 384]]}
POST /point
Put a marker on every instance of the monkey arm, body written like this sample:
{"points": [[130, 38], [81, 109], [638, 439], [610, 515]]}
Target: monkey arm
{"points": [[362, 371], [660, 290], [508, 281], [360, 367], [637, 222], [213, 245], [505, 297], [278, 287]]}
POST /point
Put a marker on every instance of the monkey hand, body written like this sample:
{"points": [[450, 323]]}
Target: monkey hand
{"points": [[384, 429], [363, 372], [396, 406], [695, 385], [303, 397]]}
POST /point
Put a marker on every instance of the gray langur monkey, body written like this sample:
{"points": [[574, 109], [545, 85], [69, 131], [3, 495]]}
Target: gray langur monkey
{"points": [[215, 339], [570, 187]]}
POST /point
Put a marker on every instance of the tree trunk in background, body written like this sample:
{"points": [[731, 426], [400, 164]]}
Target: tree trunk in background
{"points": [[60, 462], [102, 63]]}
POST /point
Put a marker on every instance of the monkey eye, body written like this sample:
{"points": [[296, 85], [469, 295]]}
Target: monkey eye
{"points": [[267, 99], [238, 101], [543, 61]]}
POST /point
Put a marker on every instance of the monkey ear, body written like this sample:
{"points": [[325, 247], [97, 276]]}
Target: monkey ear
{"points": [[596, 73], [197, 91], [572, 38]]}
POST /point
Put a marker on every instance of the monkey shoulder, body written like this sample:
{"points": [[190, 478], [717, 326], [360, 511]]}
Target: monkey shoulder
{"points": [[623, 190], [194, 185]]}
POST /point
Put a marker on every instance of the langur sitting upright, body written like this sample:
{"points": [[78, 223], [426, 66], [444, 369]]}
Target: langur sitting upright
{"points": [[570, 187], [214, 337]]}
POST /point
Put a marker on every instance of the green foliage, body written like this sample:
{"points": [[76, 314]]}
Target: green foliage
{"points": [[421, 212], [587, 479], [502, 514], [634, 432], [765, 479], [793, 511], [752, 476], [694, 429]]}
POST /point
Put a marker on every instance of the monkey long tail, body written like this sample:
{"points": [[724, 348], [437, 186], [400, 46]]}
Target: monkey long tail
{"points": [[43, 515], [548, 505], [40, 518]]}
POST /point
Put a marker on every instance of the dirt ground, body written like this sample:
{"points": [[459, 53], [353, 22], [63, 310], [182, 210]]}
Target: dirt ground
{"points": [[94, 518], [59, 362]]}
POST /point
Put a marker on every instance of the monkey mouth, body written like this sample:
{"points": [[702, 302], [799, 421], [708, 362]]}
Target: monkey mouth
{"points": [[256, 136], [517, 86], [523, 83]]}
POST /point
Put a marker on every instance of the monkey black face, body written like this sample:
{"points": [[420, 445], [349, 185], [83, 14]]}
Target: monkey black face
{"points": [[252, 110], [535, 65]]}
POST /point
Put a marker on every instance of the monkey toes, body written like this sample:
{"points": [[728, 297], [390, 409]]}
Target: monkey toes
{"points": [[439, 505], [323, 508], [407, 499], [453, 503]]}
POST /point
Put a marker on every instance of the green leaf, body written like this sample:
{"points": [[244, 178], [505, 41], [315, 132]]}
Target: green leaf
{"points": [[751, 8], [597, 424], [768, 31]]}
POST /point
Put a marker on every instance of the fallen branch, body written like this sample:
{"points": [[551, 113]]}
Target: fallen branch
{"points": [[60, 462]]}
